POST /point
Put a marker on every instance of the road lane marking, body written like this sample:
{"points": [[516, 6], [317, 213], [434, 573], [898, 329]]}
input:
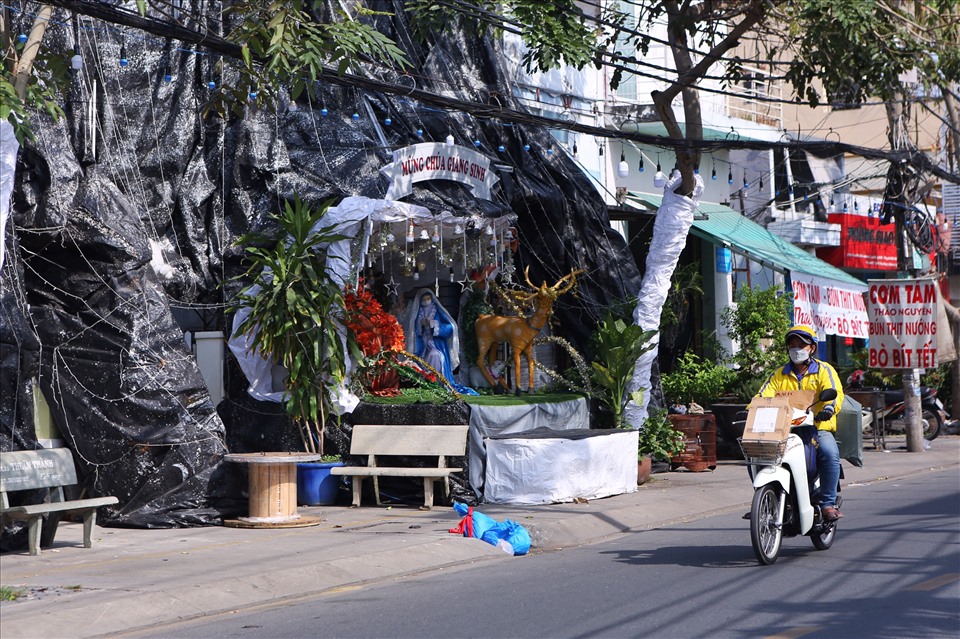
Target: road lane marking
{"points": [[793, 633], [936, 582]]}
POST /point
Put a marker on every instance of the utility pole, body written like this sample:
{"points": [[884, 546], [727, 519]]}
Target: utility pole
{"points": [[897, 117]]}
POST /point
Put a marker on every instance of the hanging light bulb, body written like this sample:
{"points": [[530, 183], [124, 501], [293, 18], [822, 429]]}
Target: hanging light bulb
{"points": [[76, 62], [640, 168], [623, 170], [410, 233], [730, 176], [696, 169], [449, 140], [451, 274], [576, 152], [600, 149], [123, 54], [856, 206], [292, 105], [833, 206], [760, 184], [844, 206], [436, 234], [659, 179], [746, 185], [416, 276]]}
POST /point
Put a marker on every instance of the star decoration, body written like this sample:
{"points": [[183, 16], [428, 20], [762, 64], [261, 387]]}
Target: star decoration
{"points": [[392, 286], [466, 283]]}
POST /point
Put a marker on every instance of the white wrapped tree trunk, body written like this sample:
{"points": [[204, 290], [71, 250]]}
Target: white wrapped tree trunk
{"points": [[674, 218]]}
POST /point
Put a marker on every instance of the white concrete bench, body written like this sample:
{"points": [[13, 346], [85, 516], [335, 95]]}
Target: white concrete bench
{"points": [[376, 441], [49, 468]]}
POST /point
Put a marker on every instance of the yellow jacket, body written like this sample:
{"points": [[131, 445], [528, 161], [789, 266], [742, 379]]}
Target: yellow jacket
{"points": [[819, 376]]}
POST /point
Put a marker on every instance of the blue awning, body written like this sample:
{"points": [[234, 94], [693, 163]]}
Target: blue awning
{"points": [[726, 227]]}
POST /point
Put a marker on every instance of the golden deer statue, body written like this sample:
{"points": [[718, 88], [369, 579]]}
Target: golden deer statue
{"points": [[519, 332]]}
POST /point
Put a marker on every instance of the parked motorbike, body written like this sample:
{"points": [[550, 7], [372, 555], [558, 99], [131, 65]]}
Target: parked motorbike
{"points": [[783, 503], [932, 418]]}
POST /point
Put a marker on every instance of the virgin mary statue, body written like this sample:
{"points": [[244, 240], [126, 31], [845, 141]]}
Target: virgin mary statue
{"points": [[432, 335]]}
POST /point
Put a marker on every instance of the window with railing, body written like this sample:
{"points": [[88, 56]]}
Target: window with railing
{"points": [[755, 98]]}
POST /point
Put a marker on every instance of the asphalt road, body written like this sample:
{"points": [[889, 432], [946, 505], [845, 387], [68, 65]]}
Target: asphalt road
{"points": [[893, 572]]}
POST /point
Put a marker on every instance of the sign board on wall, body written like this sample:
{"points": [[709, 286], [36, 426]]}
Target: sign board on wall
{"points": [[828, 306], [903, 323], [436, 161], [865, 243]]}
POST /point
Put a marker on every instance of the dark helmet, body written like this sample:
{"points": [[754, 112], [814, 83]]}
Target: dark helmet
{"points": [[807, 334]]}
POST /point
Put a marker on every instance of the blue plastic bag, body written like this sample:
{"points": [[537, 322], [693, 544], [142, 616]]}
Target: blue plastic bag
{"points": [[486, 528]]}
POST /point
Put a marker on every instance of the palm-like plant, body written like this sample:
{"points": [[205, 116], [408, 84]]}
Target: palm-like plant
{"points": [[296, 313], [618, 346]]}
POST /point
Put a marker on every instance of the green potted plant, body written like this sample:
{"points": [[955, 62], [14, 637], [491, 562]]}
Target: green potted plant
{"points": [[657, 439], [618, 345], [695, 380], [295, 313]]}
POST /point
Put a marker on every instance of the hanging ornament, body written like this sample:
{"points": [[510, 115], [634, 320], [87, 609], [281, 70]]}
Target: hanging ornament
{"points": [[76, 62], [576, 153], [451, 274], [659, 179], [424, 235], [22, 38], [696, 169], [211, 85], [123, 52], [713, 174], [324, 112], [476, 143], [489, 230], [436, 234], [526, 147], [355, 117], [419, 133], [390, 238], [746, 185], [458, 230], [760, 183], [641, 168], [410, 233], [501, 148], [387, 121], [449, 140]]}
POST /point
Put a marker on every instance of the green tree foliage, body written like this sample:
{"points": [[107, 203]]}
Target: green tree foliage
{"points": [[618, 345]]}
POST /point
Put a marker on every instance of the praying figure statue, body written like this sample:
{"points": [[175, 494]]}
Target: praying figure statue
{"points": [[432, 335]]}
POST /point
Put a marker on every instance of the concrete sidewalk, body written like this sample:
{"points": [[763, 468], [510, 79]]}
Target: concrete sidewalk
{"points": [[135, 578]]}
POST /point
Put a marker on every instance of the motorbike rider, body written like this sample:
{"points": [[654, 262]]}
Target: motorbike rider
{"points": [[804, 372]]}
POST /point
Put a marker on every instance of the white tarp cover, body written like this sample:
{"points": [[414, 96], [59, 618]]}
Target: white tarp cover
{"points": [[489, 421], [547, 466], [8, 164], [674, 218]]}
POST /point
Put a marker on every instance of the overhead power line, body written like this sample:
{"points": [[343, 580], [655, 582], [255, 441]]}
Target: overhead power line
{"points": [[217, 44]]}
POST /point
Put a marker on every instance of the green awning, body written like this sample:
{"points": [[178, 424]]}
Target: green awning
{"points": [[725, 227]]}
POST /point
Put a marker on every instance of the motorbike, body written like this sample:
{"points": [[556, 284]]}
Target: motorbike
{"points": [[892, 415], [783, 499]]}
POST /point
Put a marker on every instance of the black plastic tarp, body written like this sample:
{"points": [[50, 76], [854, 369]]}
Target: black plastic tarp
{"points": [[118, 224]]}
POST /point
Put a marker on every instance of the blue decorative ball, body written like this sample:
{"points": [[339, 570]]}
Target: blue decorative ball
{"points": [[526, 147], [419, 133], [476, 143], [211, 85], [253, 95], [355, 117], [549, 151], [124, 62], [324, 112], [22, 38], [167, 77], [388, 122], [501, 148]]}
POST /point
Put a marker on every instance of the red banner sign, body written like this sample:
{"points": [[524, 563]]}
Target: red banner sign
{"points": [[865, 243]]}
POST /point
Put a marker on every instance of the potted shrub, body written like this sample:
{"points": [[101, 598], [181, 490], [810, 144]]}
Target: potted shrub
{"points": [[657, 439], [618, 345], [295, 313]]}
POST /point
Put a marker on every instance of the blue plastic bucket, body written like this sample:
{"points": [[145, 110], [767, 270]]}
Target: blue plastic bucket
{"points": [[315, 485]]}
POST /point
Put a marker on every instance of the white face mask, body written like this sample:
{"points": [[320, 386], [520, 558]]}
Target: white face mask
{"points": [[799, 355]]}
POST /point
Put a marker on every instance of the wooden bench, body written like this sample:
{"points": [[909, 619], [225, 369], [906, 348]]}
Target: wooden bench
{"points": [[49, 468], [377, 441]]}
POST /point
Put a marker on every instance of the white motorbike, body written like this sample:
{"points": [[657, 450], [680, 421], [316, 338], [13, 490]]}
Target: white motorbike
{"points": [[782, 500]]}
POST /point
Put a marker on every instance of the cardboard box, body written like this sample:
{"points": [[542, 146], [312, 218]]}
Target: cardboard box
{"points": [[768, 419]]}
